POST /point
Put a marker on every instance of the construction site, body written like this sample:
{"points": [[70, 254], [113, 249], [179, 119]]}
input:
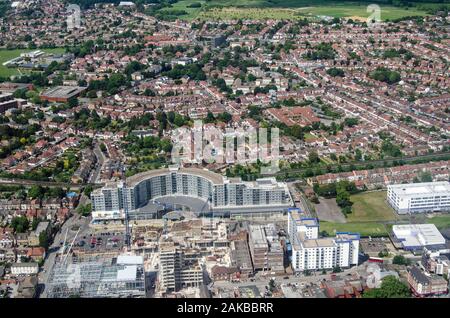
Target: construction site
{"points": [[98, 277]]}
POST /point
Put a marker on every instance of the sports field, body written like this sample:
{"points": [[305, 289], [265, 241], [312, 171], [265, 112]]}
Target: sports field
{"points": [[370, 207], [6, 55], [363, 228], [285, 9], [369, 211]]}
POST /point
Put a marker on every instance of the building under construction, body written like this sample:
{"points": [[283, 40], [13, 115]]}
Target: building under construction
{"points": [[97, 277]]}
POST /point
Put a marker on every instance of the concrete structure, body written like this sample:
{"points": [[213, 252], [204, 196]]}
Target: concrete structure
{"points": [[309, 252], [419, 197], [7, 101], [418, 236], [24, 269], [220, 195], [98, 277], [266, 251], [241, 258], [176, 272]]}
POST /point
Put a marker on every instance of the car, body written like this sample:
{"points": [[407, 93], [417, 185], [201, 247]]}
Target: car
{"points": [[286, 277]]}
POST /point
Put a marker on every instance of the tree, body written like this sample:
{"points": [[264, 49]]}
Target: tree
{"points": [[337, 269], [43, 239], [103, 147], [84, 210], [336, 72], [400, 260], [35, 223], [20, 224], [36, 191], [383, 253], [391, 287], [313, 157], [88, 190]]}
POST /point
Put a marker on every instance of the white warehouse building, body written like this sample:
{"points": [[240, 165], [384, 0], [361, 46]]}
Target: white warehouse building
{"points": [[418, 236], [309, 252], [419, 197]]}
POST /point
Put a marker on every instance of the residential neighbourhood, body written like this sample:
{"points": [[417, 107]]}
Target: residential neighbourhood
{"points": [[113, 168]]}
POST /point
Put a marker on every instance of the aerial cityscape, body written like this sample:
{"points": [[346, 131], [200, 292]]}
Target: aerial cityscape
{"points": [[224, 149]]}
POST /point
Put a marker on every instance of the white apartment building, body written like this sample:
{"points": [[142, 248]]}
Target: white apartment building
{"points": [[419, 197], [309, 252], [24, 269], [418, 236]]}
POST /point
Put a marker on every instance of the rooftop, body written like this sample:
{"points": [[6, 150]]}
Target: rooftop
{"points": [[412, 189], [63, 91], [415, 235], [215, 178]]}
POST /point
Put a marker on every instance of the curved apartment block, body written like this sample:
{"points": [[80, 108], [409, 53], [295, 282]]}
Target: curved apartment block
{"points": [[222, 195]]}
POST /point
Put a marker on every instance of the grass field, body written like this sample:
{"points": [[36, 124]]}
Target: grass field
{"points": [[369, 211], [184, 5], [6, 55], [370, 207], [309, 136], [286, 9], [441, 222], [354, 11], [363, 228]]}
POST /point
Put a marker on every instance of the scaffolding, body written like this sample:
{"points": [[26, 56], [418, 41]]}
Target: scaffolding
{"points": [[97, 277]]}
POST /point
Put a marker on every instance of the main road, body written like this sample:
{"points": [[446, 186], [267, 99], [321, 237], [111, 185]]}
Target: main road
{"points": [[55, 248]]}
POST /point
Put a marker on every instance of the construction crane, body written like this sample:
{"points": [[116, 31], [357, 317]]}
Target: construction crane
{"points": [[125, 208], [63, 248], [71, 245]]}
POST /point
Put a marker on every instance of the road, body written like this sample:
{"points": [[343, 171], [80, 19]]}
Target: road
{"points": [[98, 166], [55, 248], [299, 199]]}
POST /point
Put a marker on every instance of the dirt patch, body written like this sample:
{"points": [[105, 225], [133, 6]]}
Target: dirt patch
{"points": [[328, 210], [356, 18]]}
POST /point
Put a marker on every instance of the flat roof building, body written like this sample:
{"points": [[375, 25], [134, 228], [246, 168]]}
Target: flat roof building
{"points": [[7, 101], [61, 94], [418, 236], [419, 197], [265, 249]]}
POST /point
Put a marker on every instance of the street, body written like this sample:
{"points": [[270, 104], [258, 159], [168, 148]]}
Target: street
{"points": [[75, 220], [93, 178]]}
